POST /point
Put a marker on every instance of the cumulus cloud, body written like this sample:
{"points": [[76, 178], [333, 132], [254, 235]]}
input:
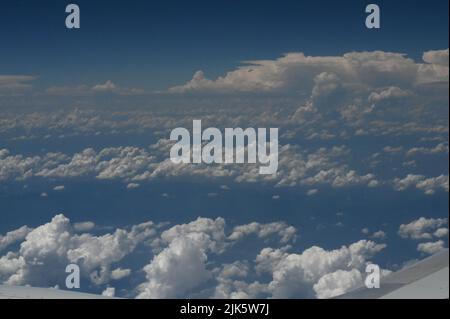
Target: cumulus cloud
{"points": [[422, 228], [428, 185], [83, 226], [133, 185], [295, 71], [439, 57], [285, 232], [107, 86], [431, 247], [189, 246], [120, 273], [379, 234], [441, 232], [14, 236], [392, 92], [48, 249], [181, 266], [183, 261], [177, 269], [440, 148], [232, 284], [109, 292], [295, 275], [338, 283], [323, 166]]}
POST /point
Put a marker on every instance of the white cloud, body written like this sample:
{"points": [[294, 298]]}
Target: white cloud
{"points": [[120, 273], [107, 86], [440, 148], [337, 283], [421, 228], [439, 57], [428, 185], [13, 236], [296, 72], [294, 275], [177, 269], [441, 232], [208, 233], [379, 234], [48, 249], [431, 247], [232, 285], [109, 292], [133, 185], [392, 92], [83, 226], [183, 262], [285, 232], [181, 266]]}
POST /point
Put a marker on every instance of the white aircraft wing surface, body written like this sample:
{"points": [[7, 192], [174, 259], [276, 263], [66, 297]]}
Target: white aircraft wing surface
{"points": [[426, 279], [14, 292]]}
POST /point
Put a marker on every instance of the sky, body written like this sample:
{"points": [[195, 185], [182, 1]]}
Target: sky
{"points": [[85, 123], [154, 45]]}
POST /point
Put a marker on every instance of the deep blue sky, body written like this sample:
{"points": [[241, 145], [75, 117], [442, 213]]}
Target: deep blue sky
{"points": [[156, 44]]}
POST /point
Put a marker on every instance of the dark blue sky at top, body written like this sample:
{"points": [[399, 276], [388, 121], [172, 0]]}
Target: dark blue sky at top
{"points": [[156, 44]]}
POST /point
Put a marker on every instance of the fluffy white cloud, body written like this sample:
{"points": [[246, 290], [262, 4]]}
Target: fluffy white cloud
{"points": [[421, 228], [83, 226], [431, 247], [177, 269], [13, 236], [182, 265], [392, 92], [439, 57], [338, 283], [323, 166], [107, 86], [231, 283], [295, 71], [109, 292], [133, 185], [427, 185], [120, 273], [48, 249], [379, 234], [294, 275], [183, 262], [440, 148], [441, 232], [285, 232]]}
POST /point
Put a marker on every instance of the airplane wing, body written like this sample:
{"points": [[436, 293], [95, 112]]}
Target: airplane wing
{"points": [[14, 292], [426, 279]]}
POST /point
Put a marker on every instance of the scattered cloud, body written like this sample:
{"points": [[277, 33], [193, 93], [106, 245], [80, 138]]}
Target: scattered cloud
{"points": [[431, 247], [422, 228]]}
